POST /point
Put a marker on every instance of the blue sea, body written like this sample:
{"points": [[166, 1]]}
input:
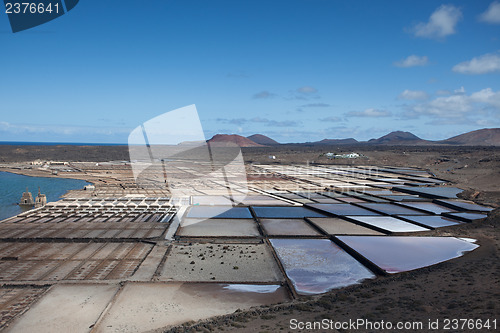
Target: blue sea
{"points": [[12, 187], [27, 143]]}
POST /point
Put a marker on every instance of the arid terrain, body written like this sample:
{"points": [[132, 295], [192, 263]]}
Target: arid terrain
{"points": [[467, 287], [464, 288]]}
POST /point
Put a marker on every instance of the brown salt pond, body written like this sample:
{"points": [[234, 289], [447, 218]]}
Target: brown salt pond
{"points": [[66, 308], [338, 226], [288, 227], [221, 262], [143, 307], [218, 228]]}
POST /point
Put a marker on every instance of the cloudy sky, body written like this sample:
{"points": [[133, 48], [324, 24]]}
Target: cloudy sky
{"points": [[294, 70]]}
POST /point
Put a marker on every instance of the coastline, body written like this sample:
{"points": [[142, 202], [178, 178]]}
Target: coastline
{"points": [[30, 173], [53, 193]]}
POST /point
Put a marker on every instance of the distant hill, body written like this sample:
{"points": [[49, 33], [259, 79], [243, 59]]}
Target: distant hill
{"points": [[348, 141], [329, 142], [263, 140], [398, 138], [233, 139], [482, 137]]}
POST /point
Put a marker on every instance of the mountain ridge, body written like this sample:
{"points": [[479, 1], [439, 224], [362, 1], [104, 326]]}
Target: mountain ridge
{"points": [[232, 140], [481, 137], [263, 140]]}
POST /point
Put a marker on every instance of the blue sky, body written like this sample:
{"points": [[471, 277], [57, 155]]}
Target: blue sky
{"points": [[294, 70]]}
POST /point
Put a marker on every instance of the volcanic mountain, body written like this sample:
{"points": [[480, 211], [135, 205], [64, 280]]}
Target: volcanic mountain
{"points": [[263, 140], [349, 141], [482, 137], [398, 138], [231, 140]]}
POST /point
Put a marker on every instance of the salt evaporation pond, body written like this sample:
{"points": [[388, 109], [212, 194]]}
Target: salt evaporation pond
{"points": [[285, 212], [464, 205], [223, 212], [343, 209], [433, 221], [288, 227], [391, 209], [428, 207], [316, 266], [388, 223], [397, 254]]}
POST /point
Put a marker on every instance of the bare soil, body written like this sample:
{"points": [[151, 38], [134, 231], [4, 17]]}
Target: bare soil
{"points": [[467, 287]]}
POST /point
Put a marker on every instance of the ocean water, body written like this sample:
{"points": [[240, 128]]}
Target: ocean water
{"points": [[28, 143], [12, 187]]}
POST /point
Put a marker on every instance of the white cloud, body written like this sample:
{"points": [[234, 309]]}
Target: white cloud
{"points": [[459, 91], [61, 131], [412, 61], [460, 107], [304, 93], [375, 113], [413, 95], [492, 14], [267, 122], [331, 119], [263, 94], [316, 105], [487, 63], [443, 92], [442, 23], [449, 106], [307, 90], [487, 96]]}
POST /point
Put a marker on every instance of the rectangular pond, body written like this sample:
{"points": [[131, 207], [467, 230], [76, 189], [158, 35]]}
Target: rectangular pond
{"points": [[432, 192], [433, 221], [343, 209], [218, 200], [428, 207], [464, 205], [263, 200], [391, 209], [157, 305], [218, 228], [223, 212], [209, 262], [338, 226], [466, 217], [388, 223], [317, 265], [285, 212], [288, 227], [403, 197]]}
